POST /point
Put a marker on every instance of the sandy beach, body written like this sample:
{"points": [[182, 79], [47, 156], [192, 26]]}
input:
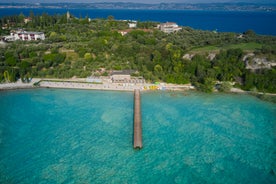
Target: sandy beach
{"points": [[92, 86], [82, 84], [107, 85]]}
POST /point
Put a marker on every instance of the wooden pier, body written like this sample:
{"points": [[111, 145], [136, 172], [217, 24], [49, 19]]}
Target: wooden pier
{"points": [[137, 127]]}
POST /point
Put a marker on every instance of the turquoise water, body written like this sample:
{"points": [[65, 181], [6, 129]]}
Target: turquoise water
{"points": [[75, 136]]}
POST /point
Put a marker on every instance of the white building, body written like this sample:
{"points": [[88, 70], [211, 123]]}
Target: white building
{"points": [[121, 76], [124, 76], [25, 35], [169, 27], [132, 24], [28, 19]]}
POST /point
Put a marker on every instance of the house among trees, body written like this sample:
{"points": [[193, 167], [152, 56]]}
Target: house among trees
{"points": [[169, 27], [124, 76], [24, 35], [121, 76], [124, 32], [132, 24], [27, 20]]}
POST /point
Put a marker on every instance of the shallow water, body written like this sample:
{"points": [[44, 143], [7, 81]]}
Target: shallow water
{"points": [[77, 136]]}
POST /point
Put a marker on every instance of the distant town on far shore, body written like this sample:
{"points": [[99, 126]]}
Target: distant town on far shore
{"points": [[161, 6]]}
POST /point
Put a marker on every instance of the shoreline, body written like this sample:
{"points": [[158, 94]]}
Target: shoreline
{"points": [[80, 83], [18, 85]]}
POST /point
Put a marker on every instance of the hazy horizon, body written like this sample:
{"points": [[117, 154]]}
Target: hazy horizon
{"points": [[140, 1]]}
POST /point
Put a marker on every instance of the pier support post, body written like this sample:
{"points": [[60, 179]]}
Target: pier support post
{"points": [[137, 127]]}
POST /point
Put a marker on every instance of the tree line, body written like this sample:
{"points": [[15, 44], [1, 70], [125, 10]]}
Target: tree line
{"points": [[80, 47]]}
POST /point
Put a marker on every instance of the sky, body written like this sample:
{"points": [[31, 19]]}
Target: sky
{"points": [[138, 1]]}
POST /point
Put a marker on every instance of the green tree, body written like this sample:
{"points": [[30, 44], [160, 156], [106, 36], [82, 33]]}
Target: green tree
{"points": [[6, 76], [249, 80], [225, 87], [1, 77], [158, 71], [110, 18], [250, 33], [207, 85], [87, 56]]}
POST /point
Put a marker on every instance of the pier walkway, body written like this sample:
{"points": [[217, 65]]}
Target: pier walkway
{"points": [[137, 127]]}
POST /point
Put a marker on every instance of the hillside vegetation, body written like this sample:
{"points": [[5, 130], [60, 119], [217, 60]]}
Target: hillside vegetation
{"points": [[84, 47]]}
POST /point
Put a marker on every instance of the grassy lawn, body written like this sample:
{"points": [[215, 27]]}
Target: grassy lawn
{"points": [[244, 46], [205, 49], [70, 54]]}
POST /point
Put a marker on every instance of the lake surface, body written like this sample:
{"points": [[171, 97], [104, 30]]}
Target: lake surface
{"points": [[222, 21], [78, 136]]}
